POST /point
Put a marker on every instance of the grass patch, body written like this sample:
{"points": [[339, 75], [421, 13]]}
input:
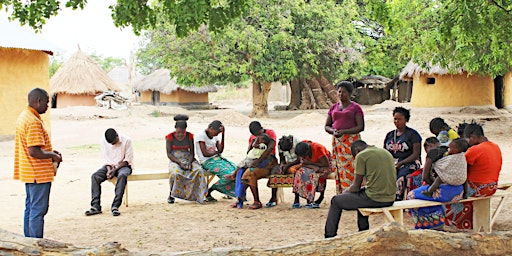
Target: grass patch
{"points": [[87, 147], [232, 93]]}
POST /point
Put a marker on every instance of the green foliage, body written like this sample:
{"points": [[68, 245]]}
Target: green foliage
{"points": [[186, 15], [274, 41], [35, 12], [468, 34], [55, 64], [107, 63]]}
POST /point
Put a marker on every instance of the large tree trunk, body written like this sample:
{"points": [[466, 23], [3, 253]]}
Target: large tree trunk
{"points": [[318, 94], [260, 99], [329, 89], [308, 99], [295, 95]]}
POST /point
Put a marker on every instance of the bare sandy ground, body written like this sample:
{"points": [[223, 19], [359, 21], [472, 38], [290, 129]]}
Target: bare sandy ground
{"points": [[149, 224]]}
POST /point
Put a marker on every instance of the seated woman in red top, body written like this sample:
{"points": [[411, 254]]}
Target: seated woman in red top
{"points": [[186, 177], [484, 165], [311, 176]]}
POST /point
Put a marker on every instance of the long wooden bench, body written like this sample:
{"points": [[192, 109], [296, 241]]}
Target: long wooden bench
{"points": [[482, 217], [158, 175]]}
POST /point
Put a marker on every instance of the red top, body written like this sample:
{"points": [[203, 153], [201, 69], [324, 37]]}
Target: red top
{"points": [[484, 162], [317, 151], [271, 134], [182, 144]]}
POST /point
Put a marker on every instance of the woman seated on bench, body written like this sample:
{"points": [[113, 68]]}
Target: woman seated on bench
{"points": [[484, 165], [186, 177], [433, 217], [311, 176], [248, 176], [209, 148]]}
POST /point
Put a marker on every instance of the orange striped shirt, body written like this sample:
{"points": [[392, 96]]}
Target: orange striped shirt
{"points": [[30, 132]]}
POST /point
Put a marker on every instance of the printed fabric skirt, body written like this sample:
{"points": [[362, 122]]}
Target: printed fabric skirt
{"points": [[343, 160], [222, 167], [307, 182], [278, 179], [460, 215], [188, 185], [433, 216]]}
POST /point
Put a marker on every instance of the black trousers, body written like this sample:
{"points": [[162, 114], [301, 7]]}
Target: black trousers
{"points": [[99, 177], [350, 201]]}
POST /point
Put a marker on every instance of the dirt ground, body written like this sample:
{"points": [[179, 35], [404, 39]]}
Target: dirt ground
{"points": [[149, 224]]}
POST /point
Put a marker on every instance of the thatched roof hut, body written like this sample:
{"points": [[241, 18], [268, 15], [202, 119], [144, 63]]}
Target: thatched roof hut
{"points": [[412, 69], [78, 81], [159, 88], [441, 87], [24, 65]]}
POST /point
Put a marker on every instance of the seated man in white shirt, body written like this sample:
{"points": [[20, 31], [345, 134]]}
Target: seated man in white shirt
{"points": [[117, 153]]}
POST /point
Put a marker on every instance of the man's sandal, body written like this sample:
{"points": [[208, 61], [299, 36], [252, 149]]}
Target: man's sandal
{"points": [[92, 211], [115, 212]]}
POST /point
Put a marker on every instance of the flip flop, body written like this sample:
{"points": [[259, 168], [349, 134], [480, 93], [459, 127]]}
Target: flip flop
{"points": [[238, 205], [312, 206], [115, 212], [92, 211], [255, 206], [210, 199], [296, 206], [270, 204]]}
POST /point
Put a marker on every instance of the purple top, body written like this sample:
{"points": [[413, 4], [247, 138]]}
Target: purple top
{"points": [[345, 118]]}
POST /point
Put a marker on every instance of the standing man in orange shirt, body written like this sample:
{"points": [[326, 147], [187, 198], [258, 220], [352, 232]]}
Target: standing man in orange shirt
{"points": [[33, 157]]}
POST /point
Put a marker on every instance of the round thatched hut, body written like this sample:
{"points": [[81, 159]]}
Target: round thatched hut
{"points": [[437, 87], [159, 88], [78, 81], [24, 65]]}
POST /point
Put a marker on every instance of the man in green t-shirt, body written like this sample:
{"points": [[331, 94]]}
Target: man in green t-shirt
{"points": [[378, 167]]}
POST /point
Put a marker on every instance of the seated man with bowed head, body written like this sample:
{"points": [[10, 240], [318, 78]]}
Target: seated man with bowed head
{"points": [[378, 167], [117, 154]]}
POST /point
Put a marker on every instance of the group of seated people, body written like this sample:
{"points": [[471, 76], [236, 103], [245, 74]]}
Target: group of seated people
{"points": [[454, 168]]}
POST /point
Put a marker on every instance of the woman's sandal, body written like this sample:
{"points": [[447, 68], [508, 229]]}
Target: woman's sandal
{"points": [[296, 206], [210, 199], [255, 206], [92, 211], [238, 205], [270, 204]]}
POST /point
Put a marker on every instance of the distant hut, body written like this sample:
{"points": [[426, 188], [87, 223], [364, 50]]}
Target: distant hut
{"points": [[504, 85], [24, 65], [159, 89], [436, 87], [372, 90], [124, 77], [78, 81]]}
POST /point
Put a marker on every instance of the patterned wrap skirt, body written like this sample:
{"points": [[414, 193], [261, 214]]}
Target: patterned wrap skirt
{"points": [[222, 167], [460, 215], [343, 161], [188, 185], [307, 182], [433, 216]]}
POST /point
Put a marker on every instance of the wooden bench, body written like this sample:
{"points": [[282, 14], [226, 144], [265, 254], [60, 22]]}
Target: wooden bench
{"points": [[482, 217], [159, 175]]}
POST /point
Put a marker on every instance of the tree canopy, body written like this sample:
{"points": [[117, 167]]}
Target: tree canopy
{"points": [[186, 15], [274, 41], [468, 34]]}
